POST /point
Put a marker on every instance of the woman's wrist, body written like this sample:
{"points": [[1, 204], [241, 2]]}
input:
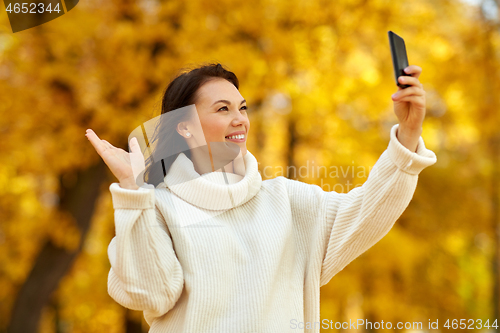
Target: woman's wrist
{"points": [[409, 137], [129, 185]]}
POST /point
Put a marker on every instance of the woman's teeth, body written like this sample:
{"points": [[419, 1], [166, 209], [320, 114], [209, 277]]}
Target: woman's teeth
{"points": [[241, 136]]}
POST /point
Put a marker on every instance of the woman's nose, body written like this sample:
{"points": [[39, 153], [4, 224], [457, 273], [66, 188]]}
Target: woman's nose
{"points": [[239, 118]]}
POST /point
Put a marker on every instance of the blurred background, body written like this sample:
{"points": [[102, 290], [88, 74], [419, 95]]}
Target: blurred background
{"points": [[318, 79]]}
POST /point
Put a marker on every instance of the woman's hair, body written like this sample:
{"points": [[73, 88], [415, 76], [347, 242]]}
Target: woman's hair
{"points": [[181, 92]]}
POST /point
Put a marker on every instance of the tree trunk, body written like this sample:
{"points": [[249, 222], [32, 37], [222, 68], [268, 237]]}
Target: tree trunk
{"points": [[53, 262], [495, 217], [132, 325]]}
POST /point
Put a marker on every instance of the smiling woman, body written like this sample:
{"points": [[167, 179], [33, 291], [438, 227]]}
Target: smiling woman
{"points": [[206, 251], [221, 120], [220, 111]]}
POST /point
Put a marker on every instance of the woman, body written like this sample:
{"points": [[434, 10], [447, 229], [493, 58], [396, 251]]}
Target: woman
{"points": [[209, 251]]}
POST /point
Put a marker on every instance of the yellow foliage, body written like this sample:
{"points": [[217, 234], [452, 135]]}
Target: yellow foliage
{"points": [[328, 63]]}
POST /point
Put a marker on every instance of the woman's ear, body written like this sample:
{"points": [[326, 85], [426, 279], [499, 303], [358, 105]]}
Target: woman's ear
{"points": [[182, 129]]}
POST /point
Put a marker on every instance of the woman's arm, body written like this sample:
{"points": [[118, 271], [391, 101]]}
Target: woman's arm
{"points": [[364, 215], [145, 273], [356, 220], [344, 225]]}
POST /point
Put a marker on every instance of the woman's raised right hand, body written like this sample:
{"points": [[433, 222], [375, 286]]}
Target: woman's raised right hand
{"points": [[125, 166]]}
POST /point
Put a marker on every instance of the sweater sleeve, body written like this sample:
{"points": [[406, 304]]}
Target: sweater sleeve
{"points": [[145, 273], [356, 220]]}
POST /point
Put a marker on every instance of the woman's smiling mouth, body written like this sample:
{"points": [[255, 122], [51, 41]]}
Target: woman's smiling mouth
{"points": [[236, 138]]}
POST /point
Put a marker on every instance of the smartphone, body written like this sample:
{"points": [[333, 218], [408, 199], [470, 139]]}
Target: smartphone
{"points": [[399, 57]]}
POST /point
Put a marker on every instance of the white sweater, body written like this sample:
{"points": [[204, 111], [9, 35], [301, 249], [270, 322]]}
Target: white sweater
{"points": [[199, 255]]}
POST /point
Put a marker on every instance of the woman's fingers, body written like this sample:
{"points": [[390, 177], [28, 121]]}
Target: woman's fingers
{"points": [[134, 145], [122, 164], [414, 70], [137, 160], [414, 99], [107, 144], [410, 91], [98, 144], [412, 81]]}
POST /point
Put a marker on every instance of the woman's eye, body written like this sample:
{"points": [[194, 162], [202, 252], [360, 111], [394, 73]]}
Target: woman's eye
{"points": [[224, 108]]}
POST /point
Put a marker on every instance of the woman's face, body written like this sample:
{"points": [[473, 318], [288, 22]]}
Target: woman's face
{"points": [[222, 113]]}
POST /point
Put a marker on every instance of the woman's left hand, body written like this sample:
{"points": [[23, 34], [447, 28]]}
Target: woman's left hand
{"points": [[409, 107]]}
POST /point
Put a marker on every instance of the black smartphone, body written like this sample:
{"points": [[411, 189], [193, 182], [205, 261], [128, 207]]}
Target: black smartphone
{"points": [[399, 57]]}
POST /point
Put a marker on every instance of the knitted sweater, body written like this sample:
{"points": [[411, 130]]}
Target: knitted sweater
{"points": [[225, 253]]}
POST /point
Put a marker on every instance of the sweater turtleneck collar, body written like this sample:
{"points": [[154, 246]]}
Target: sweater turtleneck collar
{"points": [[214, 190]]}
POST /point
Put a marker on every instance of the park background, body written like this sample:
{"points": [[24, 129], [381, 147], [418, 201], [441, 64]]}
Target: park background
{"points": [[318, 79]]}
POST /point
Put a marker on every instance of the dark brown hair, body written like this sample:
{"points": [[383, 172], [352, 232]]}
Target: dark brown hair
{"points": [[181, 92]]}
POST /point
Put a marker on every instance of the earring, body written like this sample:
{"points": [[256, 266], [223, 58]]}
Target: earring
{"points": [[188, 134]]}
